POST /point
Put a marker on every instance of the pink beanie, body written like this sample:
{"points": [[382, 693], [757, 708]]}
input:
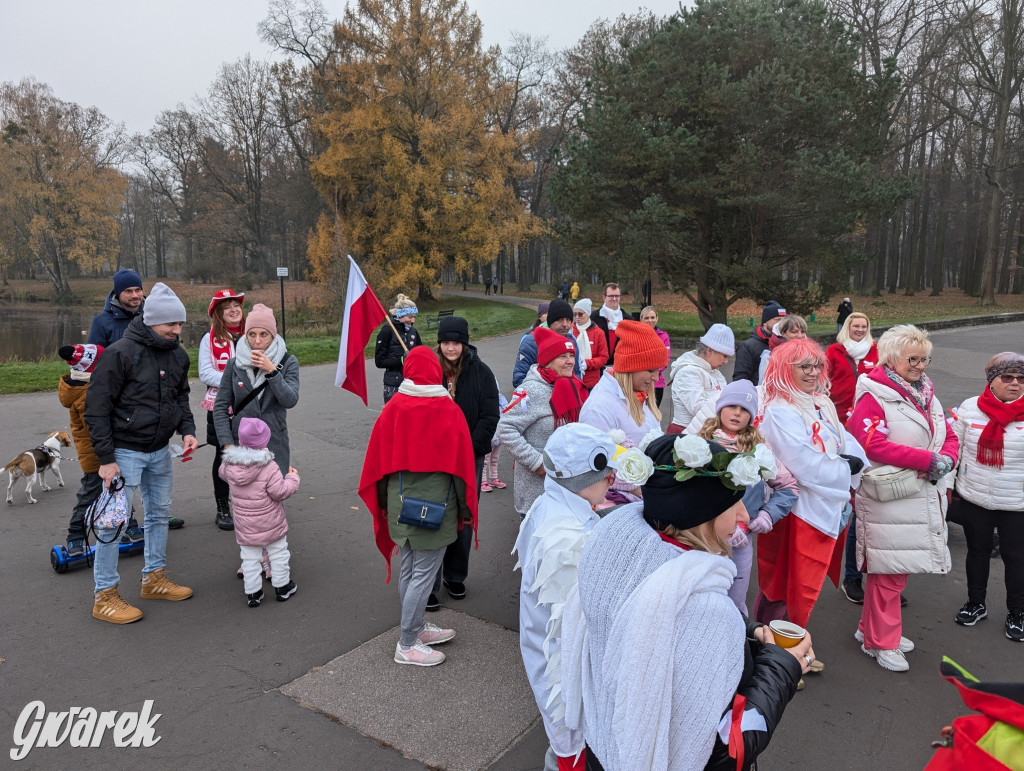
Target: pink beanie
{"points": [[253, 433], [261, 317]]}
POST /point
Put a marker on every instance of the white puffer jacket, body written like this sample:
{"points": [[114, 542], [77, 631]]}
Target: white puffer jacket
{"points": [[998, 489], [694, 383], [906, 535]]}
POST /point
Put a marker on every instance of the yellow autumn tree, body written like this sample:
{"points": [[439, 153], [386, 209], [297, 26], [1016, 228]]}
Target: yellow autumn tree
{"points": [[414, 171], [60, 189]]}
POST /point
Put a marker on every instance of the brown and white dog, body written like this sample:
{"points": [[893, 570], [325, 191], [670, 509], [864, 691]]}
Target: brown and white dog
{"points": [[33, 465]]}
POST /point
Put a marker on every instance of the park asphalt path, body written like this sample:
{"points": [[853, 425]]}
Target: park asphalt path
{"points": [[217, 670]]}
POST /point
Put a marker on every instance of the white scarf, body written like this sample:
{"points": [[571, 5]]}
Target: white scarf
{"points": [[613, 316], [858, 350], [276, 352], [583, 342], [409, 388]]}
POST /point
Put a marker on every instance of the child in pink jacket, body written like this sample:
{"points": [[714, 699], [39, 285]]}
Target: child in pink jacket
{"points": [[258, 492]]}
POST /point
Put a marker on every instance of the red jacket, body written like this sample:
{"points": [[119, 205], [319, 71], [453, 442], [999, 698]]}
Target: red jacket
{"points": [[598, 353], [844, 373]]}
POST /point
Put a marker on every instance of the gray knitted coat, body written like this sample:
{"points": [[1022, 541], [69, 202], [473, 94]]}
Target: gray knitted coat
{"points": [[524, 430]]}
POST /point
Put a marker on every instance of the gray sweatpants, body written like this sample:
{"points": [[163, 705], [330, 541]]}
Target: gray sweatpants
{"points": [[415, 582]]}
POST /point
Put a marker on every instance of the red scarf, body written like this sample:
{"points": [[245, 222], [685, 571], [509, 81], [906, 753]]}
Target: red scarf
{"points": [[990, 445], [222, 350], [396, 444], [567, 396]]}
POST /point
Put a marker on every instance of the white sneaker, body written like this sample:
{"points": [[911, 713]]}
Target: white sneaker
{"points": [[432, 634], [893, 660], [419, 655], [906, 645]]}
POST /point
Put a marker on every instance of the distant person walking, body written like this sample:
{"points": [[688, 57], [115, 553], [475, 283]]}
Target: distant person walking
{"points": [[574, 292], [563, 291], [494, 284], [845, 309], [487, 286]]}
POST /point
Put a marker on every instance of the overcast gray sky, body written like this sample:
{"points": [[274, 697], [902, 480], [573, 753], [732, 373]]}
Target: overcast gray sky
{"points": [[134, 58]]}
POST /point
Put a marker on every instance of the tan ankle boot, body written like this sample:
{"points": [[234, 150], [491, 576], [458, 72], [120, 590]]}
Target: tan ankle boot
{"points": [[157, 586], [109, 606]]}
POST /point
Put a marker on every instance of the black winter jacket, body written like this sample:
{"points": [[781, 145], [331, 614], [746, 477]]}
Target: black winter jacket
{"points": [[388, 354], [138, 394], [476, 393], [748, 356], [109, 325], [769, 679]]}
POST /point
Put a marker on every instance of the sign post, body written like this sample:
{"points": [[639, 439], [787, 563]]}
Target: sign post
{"points": [[282, 273]]}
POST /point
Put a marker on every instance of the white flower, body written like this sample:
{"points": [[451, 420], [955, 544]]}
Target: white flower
{"points": [[765, 459], [692, 451], [618, 435], [649, 437], [634, 467], [744, 470]]}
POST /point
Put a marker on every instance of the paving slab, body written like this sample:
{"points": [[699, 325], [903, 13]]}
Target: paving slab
{"points": [[459, 716]]}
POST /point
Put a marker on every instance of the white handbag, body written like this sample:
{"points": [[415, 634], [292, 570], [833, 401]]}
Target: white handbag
{"points": [[890, 483]]}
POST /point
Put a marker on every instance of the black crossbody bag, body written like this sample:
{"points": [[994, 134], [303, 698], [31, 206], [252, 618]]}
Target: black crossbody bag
{"points": [[421, 513]]}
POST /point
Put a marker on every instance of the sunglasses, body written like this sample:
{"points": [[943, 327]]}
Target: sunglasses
{"points": [[1011, 379]]}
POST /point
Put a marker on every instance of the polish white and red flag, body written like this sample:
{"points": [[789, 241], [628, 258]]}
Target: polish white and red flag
{"points": [[363, 314]]}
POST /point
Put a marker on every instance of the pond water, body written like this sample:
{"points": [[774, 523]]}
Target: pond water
{"points": [[31, 332]]}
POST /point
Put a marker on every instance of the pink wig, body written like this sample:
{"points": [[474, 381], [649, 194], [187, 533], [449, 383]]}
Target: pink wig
{"points": [[779, 381]]}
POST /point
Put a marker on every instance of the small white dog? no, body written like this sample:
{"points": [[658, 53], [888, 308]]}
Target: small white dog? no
{"points": [[33, 465]]}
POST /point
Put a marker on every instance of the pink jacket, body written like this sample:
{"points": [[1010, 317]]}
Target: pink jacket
{"points": [[258, 490], [668, 346], [867, 412]]}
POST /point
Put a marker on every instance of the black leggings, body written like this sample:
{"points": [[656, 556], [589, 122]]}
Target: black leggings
{"points": [[221, 490], [979, 526]]}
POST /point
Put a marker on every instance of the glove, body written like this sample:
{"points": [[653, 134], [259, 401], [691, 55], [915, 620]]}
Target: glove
{"points": [[939, 467], [762, 523], [856, 464], [738, 539]]}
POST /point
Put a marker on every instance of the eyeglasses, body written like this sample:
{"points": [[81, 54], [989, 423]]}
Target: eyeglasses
{"points": [[613, 296], [807, 369], [1011, 378], [918, 361]]}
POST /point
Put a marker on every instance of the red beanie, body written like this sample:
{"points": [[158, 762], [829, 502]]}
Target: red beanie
{"points": [[638, 348], [551, 345]]}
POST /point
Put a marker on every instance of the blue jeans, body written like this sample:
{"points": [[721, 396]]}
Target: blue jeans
{"points": [[151, 473]]}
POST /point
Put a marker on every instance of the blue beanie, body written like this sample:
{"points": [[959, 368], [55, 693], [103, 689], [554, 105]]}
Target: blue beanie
{"points": [[126, 279]]}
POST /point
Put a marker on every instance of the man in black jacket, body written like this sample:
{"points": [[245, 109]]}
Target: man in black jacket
{"points": [[474, 388], [137, 400], [748, 353]]}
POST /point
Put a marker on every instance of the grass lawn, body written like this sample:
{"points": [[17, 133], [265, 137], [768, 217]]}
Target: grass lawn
{"points": [[486, 319]]}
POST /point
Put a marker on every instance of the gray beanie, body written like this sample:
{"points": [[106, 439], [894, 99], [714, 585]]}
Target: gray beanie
{"points": [[577, 456], [162, 307]]}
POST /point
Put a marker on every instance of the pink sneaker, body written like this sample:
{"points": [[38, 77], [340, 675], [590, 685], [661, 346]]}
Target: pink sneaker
{"points": [[497, 484], [484, 487], [432, 634], [419, 655]]}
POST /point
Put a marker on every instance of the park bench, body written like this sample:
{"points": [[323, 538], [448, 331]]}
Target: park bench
{"points": [[435, 320]]}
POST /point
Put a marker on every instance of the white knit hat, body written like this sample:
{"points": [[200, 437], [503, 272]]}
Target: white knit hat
{"points": [[720, 338], [162, 307], [584, 305]]}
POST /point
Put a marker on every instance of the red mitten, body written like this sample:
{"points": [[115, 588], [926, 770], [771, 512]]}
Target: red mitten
{"points": [[572, 763]]}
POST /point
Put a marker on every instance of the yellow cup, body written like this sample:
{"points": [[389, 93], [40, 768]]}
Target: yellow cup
{"points": [[787, 634]]}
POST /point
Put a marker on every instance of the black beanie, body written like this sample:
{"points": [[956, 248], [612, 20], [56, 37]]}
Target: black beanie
{"points": [[559, 309], [683, 504], [453, 329], [771, 310]]}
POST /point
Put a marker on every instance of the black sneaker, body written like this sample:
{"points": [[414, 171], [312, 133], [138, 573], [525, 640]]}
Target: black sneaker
{"points": [[903, 601], [433, 603], [255, 598], [456, 589], [1015, 626], [76, 547], [854, 592], [970, 614], [134, 534], [175, 523], [286, 591]]}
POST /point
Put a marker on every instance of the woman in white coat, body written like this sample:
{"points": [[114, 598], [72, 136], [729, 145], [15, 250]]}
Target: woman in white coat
{"points": [[806, 436], [901, 524], [990, 482], [623, 398], [696, 377]]}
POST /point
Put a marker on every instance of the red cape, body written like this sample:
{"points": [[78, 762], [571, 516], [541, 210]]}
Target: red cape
{"points": [[420, 434]]}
